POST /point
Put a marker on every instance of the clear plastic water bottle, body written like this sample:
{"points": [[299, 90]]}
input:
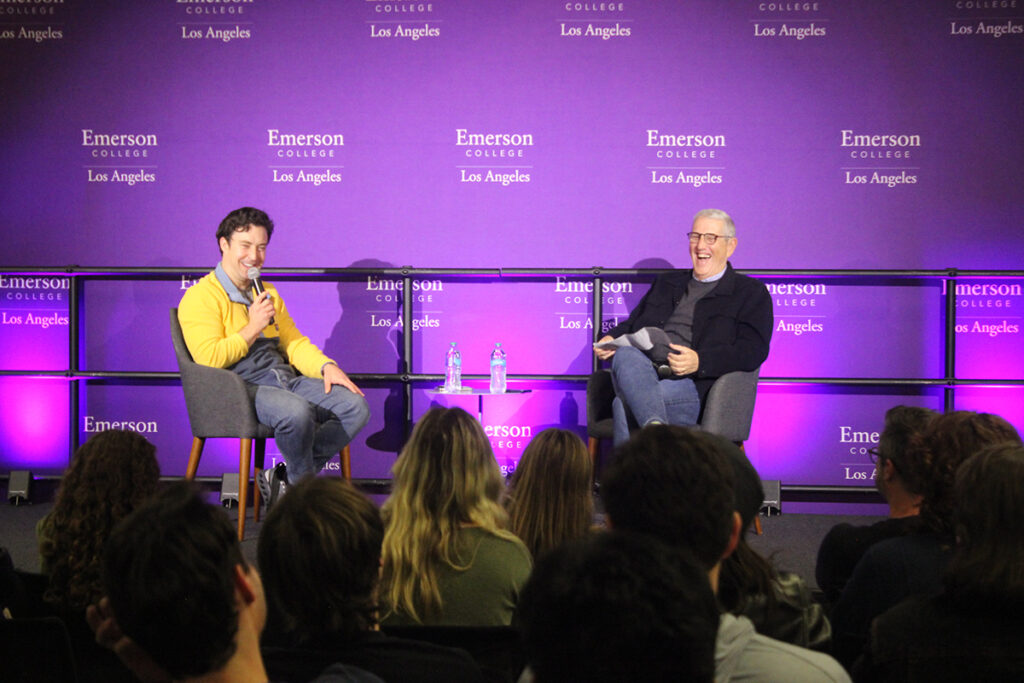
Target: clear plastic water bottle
{"points": [[498, 367], [453, 371]]}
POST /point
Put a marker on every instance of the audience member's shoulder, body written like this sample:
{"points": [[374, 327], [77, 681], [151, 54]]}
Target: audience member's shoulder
{"points": [[900, 550], [425, 657], [741, 654], [505, 545]]}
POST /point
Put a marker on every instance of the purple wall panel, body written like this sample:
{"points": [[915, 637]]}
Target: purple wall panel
{"points": [[511, 420], [33, 322], [1005, 401], [158, 412], [34, 424], [539, 330], [989, 322], [836, 328], [774, 108]]}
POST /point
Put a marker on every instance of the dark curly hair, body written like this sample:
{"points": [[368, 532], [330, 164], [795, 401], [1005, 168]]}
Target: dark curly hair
{"points": [[929, 464], [110, 475], [239, 220]]}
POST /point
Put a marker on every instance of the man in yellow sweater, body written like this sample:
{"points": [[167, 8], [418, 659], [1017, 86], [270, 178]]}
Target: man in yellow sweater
{"points": [[312, 405]]}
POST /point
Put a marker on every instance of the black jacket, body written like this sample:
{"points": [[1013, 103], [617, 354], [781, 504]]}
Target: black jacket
{"points": [[732, 325]]}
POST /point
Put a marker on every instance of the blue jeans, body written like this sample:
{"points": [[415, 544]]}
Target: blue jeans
{"points": [[640, 397], [310, 427]]}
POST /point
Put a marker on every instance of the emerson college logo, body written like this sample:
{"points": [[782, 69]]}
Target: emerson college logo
{"points": [[120, 157], [290, 149]]}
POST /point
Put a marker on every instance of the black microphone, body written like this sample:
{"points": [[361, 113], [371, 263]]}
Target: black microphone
{"points": [[257, 284]]}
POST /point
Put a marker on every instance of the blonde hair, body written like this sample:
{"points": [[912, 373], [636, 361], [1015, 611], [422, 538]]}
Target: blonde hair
{"points": [[445, 478], [551, 501]]}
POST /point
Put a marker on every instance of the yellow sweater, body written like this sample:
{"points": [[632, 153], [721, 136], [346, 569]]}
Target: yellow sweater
{"points": [[210, 322]]}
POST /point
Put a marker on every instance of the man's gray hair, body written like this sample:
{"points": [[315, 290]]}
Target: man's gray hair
{"points": [[718, 214]]}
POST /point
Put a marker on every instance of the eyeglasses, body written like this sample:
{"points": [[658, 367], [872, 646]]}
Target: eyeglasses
{"points": [[709, 237], [877, 458]]}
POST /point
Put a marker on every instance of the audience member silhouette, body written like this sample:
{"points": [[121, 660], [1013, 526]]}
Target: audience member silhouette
{"points": [[973, 630], [447, 557], [181, 601], [550, 500], [618, 607], [897, 568], [901, 486], [110, 475], [678, 486], [779, 604], [319, 557]]}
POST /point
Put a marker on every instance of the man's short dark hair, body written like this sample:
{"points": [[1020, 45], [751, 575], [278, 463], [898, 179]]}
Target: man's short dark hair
{"points": [[618, 607], [168, 569], [239, 220], [676, 485], [319, 558]]}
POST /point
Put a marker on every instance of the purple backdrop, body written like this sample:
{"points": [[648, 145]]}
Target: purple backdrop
{"points": [[543, 133]]}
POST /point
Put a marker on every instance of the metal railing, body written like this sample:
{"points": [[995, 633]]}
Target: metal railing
{"points": [[79, 275]]}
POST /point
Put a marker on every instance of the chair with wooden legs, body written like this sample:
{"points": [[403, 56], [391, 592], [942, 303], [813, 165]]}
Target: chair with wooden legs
{"points": [[221, 405]]}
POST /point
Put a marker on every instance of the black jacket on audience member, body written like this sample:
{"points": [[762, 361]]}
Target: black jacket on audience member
{"points": [[395, 660]]}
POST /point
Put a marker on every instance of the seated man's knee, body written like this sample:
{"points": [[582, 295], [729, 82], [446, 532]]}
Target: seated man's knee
{"points": [[627, 356], [360, 413], [291, 412]]}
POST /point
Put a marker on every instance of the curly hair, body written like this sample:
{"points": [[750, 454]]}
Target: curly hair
{"points": [[239, 220], [110, 476], [929, 464], [445, 478], [550, 500]]}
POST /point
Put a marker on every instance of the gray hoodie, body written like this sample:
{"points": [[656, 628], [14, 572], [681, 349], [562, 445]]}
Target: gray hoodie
{"points": [[741, 654]]}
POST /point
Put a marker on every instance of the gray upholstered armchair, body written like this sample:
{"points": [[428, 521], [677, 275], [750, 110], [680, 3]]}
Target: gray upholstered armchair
{"points": [[728, 409], [220, 405]]}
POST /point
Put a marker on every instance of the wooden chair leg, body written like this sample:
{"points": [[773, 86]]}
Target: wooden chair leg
{"points": [[245, 453], [193, 457], [259, 454], [346, 463], [757, 525], [593, 445]]}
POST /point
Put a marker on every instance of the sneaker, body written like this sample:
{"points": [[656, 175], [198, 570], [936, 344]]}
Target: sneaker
{"points": [[265, 483], [278, 483]]}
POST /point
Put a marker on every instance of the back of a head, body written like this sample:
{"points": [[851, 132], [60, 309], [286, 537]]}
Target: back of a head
{"points": [[110, 475], [618, 607], [550, 500], [902, 423], [447, 469], [168, 570], [319, 558], [930, 462], [675, 484], [988, 568]]}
